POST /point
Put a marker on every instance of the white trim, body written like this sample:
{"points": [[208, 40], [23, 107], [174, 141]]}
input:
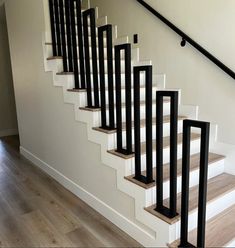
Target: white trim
{"points": [[112, 215], [8, 132]]}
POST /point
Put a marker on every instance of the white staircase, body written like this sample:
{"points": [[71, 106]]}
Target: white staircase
{"points": [[150, 228]]}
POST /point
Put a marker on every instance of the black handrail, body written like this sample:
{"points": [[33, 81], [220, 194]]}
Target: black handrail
{"points": [[186, 38]]}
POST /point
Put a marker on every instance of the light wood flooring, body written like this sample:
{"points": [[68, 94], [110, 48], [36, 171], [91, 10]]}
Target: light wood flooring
{"points": [[36, 211]]}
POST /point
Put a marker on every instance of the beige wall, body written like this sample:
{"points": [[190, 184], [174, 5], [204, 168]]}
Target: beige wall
{"points": [[46, 125], [211, 23], [8, 122]]}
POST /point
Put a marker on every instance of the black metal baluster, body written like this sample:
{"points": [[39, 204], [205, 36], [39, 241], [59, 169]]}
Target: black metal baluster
{"points": [[128, 105], [74, 45], [53, 32], [87, 59], [91, 14], [173, 152], [63, 35], [108, 30], [137, 128], [68, 34], [171, 211], [118, 98], [80, 44], [148, 108], [58, 34], [203, 185], [185, 185], [128, 100], [204, 151]]}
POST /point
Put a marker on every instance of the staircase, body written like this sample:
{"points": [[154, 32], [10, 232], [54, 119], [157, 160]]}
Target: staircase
{"points": [[118, 145]]}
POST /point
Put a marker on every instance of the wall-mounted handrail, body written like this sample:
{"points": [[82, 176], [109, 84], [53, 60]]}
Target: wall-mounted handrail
{"points": [[186, 38]]}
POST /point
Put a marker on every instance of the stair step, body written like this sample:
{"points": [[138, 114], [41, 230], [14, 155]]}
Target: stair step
{"points": [[220, 231], [122, 87], [217, 187], [194, 165], [166, 144], [142, 103], [166, 119]]}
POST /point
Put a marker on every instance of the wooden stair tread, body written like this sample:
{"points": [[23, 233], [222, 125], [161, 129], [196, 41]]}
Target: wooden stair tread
{"points": [[220, 230], [165, 100], [217, 187], [166, 144], [64, 73], [194, 165], [166, 119], [54, 57]]}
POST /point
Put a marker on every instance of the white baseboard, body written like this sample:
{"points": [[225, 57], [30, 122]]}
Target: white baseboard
{"points": [[8, 132], [112, 215]]}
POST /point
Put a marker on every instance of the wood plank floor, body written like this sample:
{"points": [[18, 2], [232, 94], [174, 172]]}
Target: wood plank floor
{"points": [[36, 211]]}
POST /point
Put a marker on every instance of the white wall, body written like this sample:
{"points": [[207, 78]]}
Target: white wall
{"points": [[211, 24], [8, 121]]}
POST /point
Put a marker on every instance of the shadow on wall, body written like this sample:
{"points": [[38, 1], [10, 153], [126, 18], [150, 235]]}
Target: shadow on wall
{"points": [[8, 118]]}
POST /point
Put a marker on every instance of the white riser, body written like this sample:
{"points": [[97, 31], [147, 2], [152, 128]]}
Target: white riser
{"points": [[158, 80], [105, 41], [89, 31], [122, 63], [166, 132], [142, 94], [50, 52], [106, 66], [166, 111], [213, 170], [166, 151]]}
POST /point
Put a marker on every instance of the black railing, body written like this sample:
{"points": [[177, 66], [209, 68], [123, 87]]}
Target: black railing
{"points": [[76, 42], [128, 98], [63, 36], [80, 45], [69, 36], [148, 123], [57, 27], [170, 211], [205, 130], [109, 40], [186, 38], [90, 15], [53, 31]]}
